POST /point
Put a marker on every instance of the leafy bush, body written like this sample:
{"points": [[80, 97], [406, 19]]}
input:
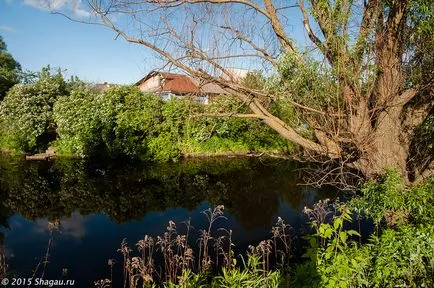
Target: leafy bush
{"points": [[77, 123], [400, 255], [137, 122], [122, 121], [403, 257], [390, 202], [163, 148], [26, 113]]}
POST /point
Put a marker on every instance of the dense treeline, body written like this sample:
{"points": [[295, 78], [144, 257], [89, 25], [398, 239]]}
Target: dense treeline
{"points": [[122, 121]]}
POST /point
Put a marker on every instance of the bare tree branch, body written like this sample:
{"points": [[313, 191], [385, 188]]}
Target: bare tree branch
{"points": [[355, 107]]}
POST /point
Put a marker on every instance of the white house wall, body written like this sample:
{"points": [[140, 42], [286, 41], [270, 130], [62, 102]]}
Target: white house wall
{"points": [[151, 85]]}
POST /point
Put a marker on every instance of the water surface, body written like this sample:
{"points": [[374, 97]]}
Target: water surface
{"points": [[82, 210]]}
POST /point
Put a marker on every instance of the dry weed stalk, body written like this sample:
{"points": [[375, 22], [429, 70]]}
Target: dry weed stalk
{"points": [[125, 251], [322, 212], [165, 244], [280, 232], [205, 236], [146, 248], [111, 263], [178, 256], [262, 252], [188, 259], [223, 247], [174, 248], [52, 227], [103, 283], [3, 264]]}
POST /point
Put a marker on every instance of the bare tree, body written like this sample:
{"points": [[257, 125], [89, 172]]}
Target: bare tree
{"points": [[365, 66]]}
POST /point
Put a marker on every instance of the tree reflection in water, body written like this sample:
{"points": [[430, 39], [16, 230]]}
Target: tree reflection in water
{"points": [[252, 191], [127, 191]]}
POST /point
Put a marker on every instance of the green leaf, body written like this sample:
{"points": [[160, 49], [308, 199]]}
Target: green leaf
{"points": [[337, 223], [328, 233], [343, 236]]}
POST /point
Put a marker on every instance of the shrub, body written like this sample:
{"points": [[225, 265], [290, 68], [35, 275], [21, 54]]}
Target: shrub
{"points": [[163, 148], [390, 202], [400, 254], [123, 121], [26, 113], [78, 124]]}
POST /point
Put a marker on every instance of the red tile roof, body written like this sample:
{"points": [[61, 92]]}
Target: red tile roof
{"points": [[181, 84], [177, 83]]}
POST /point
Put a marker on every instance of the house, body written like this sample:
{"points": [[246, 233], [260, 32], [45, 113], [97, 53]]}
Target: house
{"points": [[171, 85], [234, 74], [100, 87]]}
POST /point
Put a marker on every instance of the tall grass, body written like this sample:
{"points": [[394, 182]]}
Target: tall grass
{"points": [[180, 266]]}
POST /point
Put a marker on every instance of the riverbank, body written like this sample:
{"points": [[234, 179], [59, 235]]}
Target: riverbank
{"points": [[187, 155]]}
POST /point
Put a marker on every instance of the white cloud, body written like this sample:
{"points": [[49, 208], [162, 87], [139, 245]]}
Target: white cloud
{"points": [[7, 28], [74, 226], [75, 6]]}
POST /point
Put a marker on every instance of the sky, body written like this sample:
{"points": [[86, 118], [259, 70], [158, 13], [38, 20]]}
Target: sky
{"points": [[37, 38]]}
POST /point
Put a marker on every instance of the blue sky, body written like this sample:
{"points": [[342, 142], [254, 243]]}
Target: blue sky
{"points": [[37, 38]]}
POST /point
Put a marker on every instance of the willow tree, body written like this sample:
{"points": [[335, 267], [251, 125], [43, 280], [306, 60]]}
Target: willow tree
{"points": [[360, 82]]}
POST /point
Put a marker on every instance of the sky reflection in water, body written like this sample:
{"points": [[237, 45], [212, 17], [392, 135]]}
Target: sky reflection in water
{"points": [[99, 204]]}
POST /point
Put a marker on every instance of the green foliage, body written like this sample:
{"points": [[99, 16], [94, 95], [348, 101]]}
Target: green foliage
{"points": [[77, 123], [190, 279], [422, 17], [330, 253], [420, 41], [163, 148], [251, 275], [311, 84], [215, 144], [9, 70], [26, 113], [400, 255], [137, 122], [254, 80], [125, 122], [403, 257], [389, 201], [223, 134]]}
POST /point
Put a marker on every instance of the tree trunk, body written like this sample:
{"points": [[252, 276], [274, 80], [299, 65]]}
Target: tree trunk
{"points": [[386, 149]]}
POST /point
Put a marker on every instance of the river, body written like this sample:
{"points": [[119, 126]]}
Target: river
{"points": [[66, 217]]}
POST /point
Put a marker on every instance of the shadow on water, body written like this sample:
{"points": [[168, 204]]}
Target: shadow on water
{"points": [[98, 204]]}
